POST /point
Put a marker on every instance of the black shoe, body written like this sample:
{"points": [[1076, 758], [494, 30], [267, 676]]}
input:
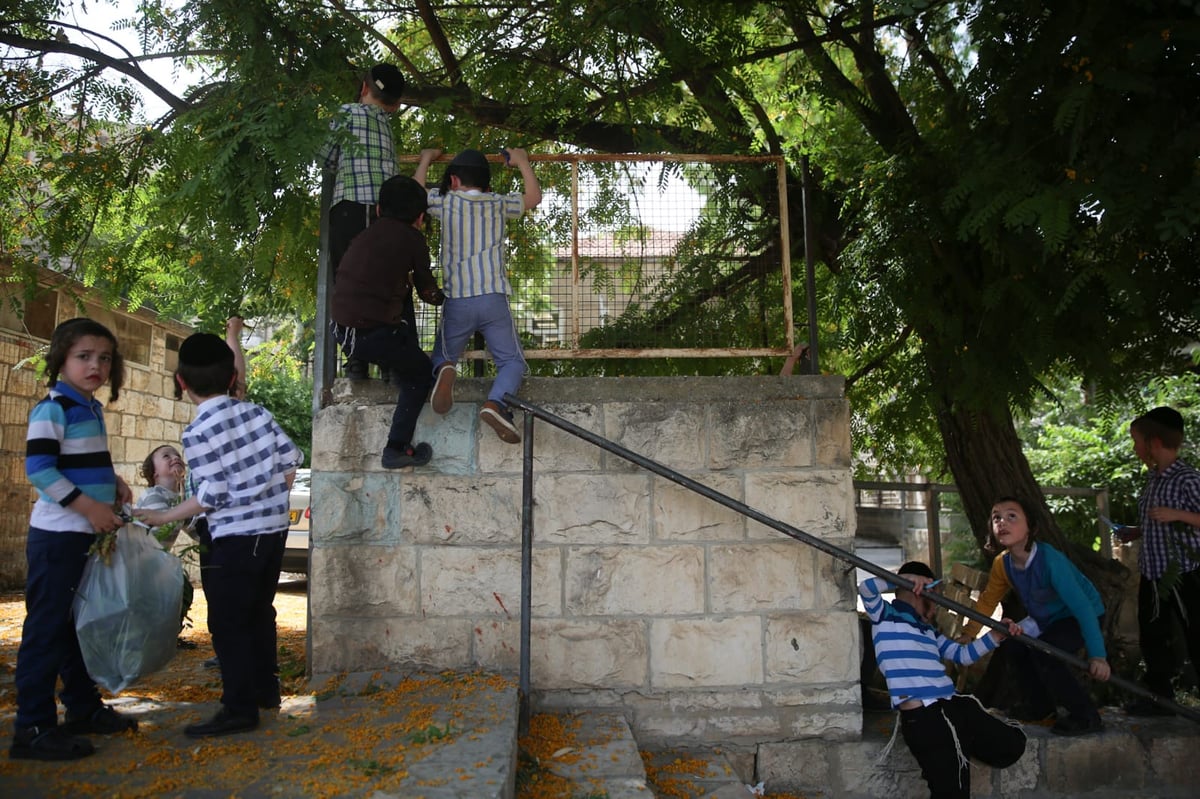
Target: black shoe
{"points": [[356, 369], [224, 723], [500, 419], [101, 721], [399, 458], [48, 743], [212, 663], [183, 643], [269, 702], [1143, 706], [1073, 725]]}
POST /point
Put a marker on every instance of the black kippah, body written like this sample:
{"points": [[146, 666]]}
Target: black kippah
{"points": [[1167, 417], [204, 349], [916, 567]]}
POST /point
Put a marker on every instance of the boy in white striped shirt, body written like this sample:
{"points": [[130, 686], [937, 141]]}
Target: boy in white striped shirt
{"points": [[942, 728], [475, 276]]}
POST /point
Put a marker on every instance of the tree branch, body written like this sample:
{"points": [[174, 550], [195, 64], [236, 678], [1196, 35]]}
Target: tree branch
{"points": [[124, 66]]}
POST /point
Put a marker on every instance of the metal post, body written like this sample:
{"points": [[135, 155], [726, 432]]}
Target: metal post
{"points": [[933, 514], [809, 267], [526, 575], [324, 352]]}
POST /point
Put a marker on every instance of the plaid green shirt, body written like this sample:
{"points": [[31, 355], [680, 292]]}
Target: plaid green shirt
{"points": [[363, 165]]}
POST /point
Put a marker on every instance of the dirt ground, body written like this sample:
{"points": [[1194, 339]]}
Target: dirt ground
{"points": [[177, 682], [293, 753]]}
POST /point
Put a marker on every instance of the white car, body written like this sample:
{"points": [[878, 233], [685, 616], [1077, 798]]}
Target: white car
{"points": [[295, 555]]}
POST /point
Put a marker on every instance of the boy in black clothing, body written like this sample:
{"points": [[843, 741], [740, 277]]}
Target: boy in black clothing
{"points": [[373, 315]]}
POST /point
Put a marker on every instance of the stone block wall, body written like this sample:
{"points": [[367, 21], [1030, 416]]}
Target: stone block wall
{"points": [[693, 620], [145, 416]]}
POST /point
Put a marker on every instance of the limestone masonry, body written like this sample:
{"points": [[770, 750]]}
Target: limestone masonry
{"points": [[647, 598]]}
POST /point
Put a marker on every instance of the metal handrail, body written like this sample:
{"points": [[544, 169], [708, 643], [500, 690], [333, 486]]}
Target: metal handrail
{"points": [[533, 411]]}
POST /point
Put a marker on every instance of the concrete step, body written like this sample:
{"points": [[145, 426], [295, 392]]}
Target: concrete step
{"points": [[1130, 757]]}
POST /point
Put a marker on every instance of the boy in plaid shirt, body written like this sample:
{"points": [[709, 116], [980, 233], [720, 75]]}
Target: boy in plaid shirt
{"points": [[1169, 515]]}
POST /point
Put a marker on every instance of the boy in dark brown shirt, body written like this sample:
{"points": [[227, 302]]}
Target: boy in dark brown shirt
{"points": [[373, 315]]}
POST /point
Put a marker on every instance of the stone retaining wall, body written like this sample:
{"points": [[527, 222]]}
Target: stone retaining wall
{"points": [[694, 621]]}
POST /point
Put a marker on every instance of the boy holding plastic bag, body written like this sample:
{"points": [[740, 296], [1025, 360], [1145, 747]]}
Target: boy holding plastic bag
{"points": [[67, 460]]}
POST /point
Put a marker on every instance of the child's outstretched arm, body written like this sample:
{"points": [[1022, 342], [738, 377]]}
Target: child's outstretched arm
{"points": [[233, 337], [427, 157], [519, 159]]}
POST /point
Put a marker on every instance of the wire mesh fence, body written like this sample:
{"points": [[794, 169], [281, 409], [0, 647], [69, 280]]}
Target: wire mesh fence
{"points": [[644, 257]]}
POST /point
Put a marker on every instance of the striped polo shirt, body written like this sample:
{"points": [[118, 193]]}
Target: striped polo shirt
{"points": [[66, 454], [910, 652]]}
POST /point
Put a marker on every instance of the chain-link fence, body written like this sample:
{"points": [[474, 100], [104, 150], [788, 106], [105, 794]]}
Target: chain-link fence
{"points": [[644, 257]]}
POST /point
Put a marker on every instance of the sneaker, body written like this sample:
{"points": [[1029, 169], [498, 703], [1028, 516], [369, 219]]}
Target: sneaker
{"points": [[401, 457], [48, 743], [356, 369], [500, 419], [101, 721], [1073, 725], [1144, 706], [224, 723], [443, 389]]}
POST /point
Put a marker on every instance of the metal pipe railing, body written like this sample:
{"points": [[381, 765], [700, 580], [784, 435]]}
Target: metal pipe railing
{"points": [[531, 411]]}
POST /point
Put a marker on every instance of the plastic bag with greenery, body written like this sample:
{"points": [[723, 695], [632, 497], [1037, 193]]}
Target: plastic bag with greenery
{"points": [[127, 608]]}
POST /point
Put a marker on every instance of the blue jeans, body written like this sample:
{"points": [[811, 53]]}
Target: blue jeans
{"points": [[488, 314], [49, 646]]}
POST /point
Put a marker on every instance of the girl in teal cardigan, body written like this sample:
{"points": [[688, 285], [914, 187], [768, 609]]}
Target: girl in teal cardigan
{"points": [[1065, 610]]}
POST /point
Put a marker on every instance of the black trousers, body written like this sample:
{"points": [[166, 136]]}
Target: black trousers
{"points": [[239, 583], [1157, 613], [398, 349], [942, 737], [1050, 681], [346, 220], [49, 645]]}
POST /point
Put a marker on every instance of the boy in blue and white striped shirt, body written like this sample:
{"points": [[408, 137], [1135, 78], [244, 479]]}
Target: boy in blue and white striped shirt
{"points": [[942, 728], [475, 276]]}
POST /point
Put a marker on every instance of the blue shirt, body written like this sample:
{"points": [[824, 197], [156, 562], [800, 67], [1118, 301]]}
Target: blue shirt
{"points": [[910, 652], [238, 458], [66, 454], [1052, 588]]}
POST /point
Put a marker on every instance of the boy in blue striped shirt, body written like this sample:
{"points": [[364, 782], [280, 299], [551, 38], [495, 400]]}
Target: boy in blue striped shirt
{"points": [[67, 460], [942, 728], [475, 276]]}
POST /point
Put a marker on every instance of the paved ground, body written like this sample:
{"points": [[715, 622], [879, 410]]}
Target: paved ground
{"points": [[418, 735]]}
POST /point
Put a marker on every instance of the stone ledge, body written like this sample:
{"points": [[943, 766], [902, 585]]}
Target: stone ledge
{"points": [[1130, 757]]}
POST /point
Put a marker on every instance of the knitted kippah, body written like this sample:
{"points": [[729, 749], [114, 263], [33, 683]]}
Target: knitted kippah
{"points": [[204, 349]]}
